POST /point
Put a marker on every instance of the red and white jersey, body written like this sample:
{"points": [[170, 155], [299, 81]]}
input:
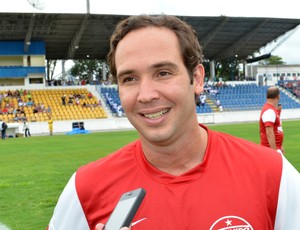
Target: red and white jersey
{"points": [[239, 185], [269, 117]]}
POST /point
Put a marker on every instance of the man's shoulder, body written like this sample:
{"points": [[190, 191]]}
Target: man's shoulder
{"points": [[268, 106], [246, 158], [106, 172], [245, 149], [111, 161]]}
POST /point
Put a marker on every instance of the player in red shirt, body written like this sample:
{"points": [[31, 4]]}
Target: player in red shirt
{"points": [[194, 178], [271, 132]]}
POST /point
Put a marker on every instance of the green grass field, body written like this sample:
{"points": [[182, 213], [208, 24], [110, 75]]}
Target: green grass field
{"points": [[35, 170]]}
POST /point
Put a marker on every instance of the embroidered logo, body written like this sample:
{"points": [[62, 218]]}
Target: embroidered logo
{"points": [[231, 223]]}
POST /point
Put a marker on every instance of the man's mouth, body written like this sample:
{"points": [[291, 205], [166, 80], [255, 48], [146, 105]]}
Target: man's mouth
{"points": [[157, 114]]}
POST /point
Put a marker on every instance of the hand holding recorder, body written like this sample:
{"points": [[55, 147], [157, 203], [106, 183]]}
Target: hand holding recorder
{"points": [[124, 211]]}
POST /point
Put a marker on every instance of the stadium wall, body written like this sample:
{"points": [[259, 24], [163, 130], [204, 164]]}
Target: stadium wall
{"points": [[117, 124], [21, 66]]}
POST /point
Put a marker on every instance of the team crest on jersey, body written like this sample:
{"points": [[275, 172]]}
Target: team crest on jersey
{"points": [[231, 223]]}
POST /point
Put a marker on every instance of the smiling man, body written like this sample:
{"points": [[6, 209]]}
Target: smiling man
{"points": [[195, 178]]}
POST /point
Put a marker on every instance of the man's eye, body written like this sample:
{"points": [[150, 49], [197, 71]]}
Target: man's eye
{"points": [[163, 73], [128, 79]]}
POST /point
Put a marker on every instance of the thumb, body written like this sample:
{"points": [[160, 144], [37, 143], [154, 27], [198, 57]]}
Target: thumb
{"points": [[99, 227]]}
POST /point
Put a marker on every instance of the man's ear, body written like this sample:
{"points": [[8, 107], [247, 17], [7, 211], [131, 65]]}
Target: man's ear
{"points": [[199, 73]]}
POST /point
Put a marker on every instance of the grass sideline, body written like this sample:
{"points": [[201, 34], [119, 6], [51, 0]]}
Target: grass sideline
{"points": [[35, 170]]}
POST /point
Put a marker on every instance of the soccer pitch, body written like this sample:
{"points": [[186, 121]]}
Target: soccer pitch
{"points": [[35, 170]]}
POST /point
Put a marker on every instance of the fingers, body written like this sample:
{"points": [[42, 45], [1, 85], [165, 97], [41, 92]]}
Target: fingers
{"points": [[99, 226]]}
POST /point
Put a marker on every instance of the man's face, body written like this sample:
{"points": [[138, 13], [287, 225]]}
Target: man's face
{"points": [[154, 85]]}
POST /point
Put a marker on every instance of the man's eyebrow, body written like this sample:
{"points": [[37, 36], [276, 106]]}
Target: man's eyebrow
{"points": [[164, 64], [125, 72], [154, 66]]}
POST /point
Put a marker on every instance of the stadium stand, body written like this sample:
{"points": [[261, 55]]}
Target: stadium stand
{"points": [[247, 97], [92, 122], [112, 100], [47, 101], [292, 86], [242, 97], [233, 98], [19, 66]]}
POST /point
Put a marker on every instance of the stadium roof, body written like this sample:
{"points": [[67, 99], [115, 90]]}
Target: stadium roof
{"points": [[86, 36]]}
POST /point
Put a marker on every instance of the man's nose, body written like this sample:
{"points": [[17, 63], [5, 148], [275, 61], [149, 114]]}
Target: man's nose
{"points": [[148, 90]]}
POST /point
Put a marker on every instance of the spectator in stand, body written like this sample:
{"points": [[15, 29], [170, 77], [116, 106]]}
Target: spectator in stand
{"points": [[49, 110], [213, 92], [77, 95], [90, 95], [120, 111], [23, 117], [22, 111], [219, 84], [39, 108], [42, 107], [77, 101], [202, 99], [63, 99], [16, 110], [5, 99], [219, 104], [70, 101], [271, 132], [11, 110], [30, 103], [20, 102], [9, 93], [29, 95], [17, 93], [5, 110], [34, 109], [17, 117], [82, 96]]}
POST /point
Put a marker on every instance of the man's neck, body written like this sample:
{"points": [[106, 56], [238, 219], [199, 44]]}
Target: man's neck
{"points": [[272, 102], [181, 157]]}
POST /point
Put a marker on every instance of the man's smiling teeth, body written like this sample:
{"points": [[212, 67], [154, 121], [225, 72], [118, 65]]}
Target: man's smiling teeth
{"points": [[156, 115]]}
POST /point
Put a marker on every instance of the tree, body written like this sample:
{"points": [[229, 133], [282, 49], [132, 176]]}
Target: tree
{"points": [[88, 69], [51, 64], [227, 69], [272, 60]]}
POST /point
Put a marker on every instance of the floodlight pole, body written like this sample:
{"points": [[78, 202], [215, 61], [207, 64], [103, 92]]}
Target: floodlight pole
{"points": [[88, 6]]}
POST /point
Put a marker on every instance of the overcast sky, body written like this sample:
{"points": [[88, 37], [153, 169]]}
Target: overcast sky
{"points": [[289, 50]]}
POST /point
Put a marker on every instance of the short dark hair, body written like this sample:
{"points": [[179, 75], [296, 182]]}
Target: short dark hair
{"points": [[191, 50], [272, 92]]}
